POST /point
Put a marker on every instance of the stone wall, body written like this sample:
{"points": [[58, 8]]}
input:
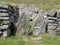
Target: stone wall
{"points": [[45, 21]]}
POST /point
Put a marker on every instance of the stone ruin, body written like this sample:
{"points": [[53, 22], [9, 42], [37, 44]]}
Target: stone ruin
{"points": [[16, 20]]}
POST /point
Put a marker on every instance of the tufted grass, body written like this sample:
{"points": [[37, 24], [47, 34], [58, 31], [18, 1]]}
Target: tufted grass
{"points": [[13, 40], [51, 40], [32, 1], [42, 4]]}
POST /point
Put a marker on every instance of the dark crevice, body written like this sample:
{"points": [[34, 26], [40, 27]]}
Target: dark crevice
{"points": [[13, 29]]}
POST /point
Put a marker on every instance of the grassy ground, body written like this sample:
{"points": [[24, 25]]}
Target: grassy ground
{"points": [[13, 40], [16, 40], [33, 1], [48, 40], [46, 4], [51, 40]]}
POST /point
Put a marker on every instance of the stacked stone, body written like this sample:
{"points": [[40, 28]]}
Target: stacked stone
{"points": [[44, 20], [58, 20], [6, 19], [26, 14], [52, 23]]}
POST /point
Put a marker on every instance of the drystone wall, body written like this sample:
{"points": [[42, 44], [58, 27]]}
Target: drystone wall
{"points": [[26, 20], [7, 19], [45, 21]]}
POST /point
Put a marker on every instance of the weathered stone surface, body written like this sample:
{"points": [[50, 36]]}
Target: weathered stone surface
{"points": [[7, 18], [52, 18], [4, 26], [52, 27], [22, 25], [3, 6], [52, 32], [50, 21], [4, 14], [6, 33], [5, 22], [40, 18], [58, 13], [36, 38], [0, 32], [54, 24], [40, 24], [52, 12]]}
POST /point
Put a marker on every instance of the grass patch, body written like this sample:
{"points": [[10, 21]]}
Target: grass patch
{"points": [[17, 40], [47, 4], [13, 40], [51, 40]]}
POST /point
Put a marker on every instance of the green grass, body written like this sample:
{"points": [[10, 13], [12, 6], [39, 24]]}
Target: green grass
{"points": [[47, 4], [47, 39], [13, 40], [51, 40], [18, 40], [33, 1]]}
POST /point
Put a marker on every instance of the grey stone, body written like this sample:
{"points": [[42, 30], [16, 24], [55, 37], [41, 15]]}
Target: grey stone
{"points": [[39, 27], [2, 10], [6, 33], [0, 32], [4, 6], [5, 18], [22, 25], [52, 24], [52, 18], [58, 32], [4, 27], [50, 21], [52, 32], [58, 13], [51, 12], [58, 29], [52, 27], [36, 38], [4, 14], [40, 18], [5, 22]]}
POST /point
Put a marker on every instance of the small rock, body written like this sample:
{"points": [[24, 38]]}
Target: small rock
{"points": [[36, 39]]}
